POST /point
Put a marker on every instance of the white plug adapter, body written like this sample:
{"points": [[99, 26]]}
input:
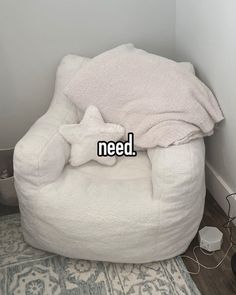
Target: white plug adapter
{"points": [[210, 238]]}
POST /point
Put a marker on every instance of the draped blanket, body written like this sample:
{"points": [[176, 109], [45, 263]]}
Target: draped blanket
{"points": [[159, 100]]}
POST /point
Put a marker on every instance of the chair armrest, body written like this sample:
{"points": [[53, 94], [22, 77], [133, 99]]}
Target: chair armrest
{"points": [[42, 153], [177, 170]]}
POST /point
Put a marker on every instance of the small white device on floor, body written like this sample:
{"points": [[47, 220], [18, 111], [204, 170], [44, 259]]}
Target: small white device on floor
{"points": [[210, 238]]}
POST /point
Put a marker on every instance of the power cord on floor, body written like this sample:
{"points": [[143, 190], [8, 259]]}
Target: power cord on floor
{"points": [[228, 225]]}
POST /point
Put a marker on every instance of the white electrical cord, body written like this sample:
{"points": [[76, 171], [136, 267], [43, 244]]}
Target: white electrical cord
{"points": [[228, 226], [202, 265]]}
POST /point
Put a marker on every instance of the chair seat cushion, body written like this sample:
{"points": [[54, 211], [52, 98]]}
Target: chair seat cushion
{"points": [[112, 213]]}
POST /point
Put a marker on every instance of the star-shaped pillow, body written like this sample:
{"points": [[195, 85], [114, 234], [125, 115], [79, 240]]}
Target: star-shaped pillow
{"points": [[84, 136]]}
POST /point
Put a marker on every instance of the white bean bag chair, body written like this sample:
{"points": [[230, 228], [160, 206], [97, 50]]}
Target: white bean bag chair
{"points": [[143, 209]]}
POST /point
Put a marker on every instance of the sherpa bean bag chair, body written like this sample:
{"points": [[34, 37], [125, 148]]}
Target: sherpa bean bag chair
{"points": [[142, 209]]}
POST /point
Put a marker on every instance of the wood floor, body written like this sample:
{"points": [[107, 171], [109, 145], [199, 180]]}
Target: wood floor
{"points": [[5, 210], [220, 281]]}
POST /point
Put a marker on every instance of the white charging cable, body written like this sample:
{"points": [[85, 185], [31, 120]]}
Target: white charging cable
{"points": [[195, 259], [232, 243]]}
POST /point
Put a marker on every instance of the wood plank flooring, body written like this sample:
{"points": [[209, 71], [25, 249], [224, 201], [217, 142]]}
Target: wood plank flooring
{"points": [[220, 281], [5, 210]]}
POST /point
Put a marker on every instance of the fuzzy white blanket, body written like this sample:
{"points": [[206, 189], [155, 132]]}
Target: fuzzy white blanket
{"points": [[155, 98]]}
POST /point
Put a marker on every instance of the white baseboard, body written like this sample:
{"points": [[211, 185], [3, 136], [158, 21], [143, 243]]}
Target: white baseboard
{"points": [[219, 189]]}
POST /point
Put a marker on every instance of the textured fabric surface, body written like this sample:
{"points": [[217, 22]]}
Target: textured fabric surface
{"points": [[143, 209], [157, 99], [26, 270], [45, 153], [84, 137], [130, 212]]}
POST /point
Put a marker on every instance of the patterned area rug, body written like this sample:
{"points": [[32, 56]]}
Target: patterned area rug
{"points": [[25, 270]]}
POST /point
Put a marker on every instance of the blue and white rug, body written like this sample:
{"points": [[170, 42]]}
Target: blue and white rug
{"points": [[25, 270]]}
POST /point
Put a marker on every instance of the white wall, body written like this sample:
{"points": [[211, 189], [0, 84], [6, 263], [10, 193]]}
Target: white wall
{"points": [[206, 36], [35, 35]]}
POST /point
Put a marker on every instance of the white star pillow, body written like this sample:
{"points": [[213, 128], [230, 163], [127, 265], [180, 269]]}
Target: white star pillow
{"points": [[84, 136]]}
